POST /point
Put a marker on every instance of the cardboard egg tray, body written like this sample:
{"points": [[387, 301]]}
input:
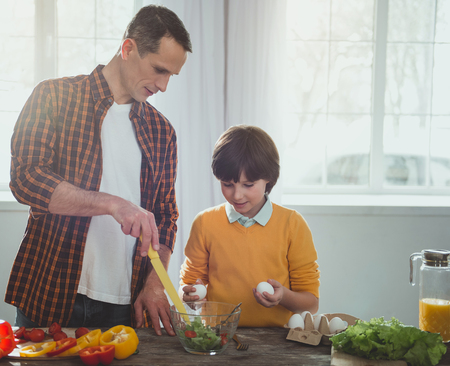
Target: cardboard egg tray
{"points": [[322, 335]]}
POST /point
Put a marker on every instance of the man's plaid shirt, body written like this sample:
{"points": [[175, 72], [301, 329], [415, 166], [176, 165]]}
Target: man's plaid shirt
{"points": [[57, 138]]}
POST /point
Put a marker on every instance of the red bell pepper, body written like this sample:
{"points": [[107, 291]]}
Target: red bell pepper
{"points": [[93, 356], [62, 345], [7, 339]]}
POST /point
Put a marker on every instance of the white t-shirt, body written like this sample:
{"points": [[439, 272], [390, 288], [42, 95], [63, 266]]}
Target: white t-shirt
{"points": [[108, 254]]}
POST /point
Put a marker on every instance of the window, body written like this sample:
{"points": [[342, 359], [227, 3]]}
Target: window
{"points": [[368, 97], [47, 39]]}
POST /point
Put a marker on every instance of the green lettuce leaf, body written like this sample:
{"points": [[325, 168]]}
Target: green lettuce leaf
{"points": [[390, 340]]}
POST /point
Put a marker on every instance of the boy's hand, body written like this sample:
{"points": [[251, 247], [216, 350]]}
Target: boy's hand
{"points": [[268, 300], [190, 288]]}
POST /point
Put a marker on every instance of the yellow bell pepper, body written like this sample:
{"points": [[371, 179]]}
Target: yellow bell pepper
{"points": [[90, 339], [123, 338], [37, 349]]}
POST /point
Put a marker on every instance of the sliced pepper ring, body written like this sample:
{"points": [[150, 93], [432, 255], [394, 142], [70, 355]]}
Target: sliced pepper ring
{"points": [[37, 349], [62, 346], [92, 356], [90, 339], [124, 338]]}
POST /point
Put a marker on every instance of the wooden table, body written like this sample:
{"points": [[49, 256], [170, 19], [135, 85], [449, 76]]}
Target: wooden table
{"points": [[268, 346]]}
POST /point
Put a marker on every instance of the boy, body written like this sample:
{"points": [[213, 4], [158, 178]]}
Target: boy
{"points": [[236, 245]]}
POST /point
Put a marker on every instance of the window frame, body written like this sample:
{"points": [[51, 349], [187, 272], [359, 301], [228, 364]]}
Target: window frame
{"points": [[376, 163]]}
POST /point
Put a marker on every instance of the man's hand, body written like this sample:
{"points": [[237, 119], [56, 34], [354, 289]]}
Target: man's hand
{"points": [[153, 298], [136, 221]]}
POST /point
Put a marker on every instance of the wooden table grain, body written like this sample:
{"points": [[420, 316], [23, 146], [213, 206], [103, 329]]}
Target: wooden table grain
{"points": [[268, 346]]}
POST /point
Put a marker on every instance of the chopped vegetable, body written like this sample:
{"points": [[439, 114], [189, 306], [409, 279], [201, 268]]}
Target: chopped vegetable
{"points": [[93, 356], [62, 346], [19, 332], [206, 338], [124, 338], [58, 336], [190, 334], [81, 332], [54, 328], [7, 339], [390, 340], [37, 335], [88, 340], [37, 349]]}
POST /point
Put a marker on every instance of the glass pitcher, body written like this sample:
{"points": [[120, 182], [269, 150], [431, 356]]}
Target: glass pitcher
{"points": [[434, 290]]}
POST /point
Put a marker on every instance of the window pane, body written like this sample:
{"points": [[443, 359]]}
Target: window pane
{"points": [[441, 79], [439, 151], [308, 19], [76, 18], [411, 21], [443, 21], [308, 73], [303, 160], [115, 16], [348, 148], [350, 82], [406, 145], [352, 20], [408, 78], [76, 56], [16, 71]]}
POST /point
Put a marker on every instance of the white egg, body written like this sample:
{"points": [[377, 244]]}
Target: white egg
{"points": [[200, 290], [336, 324], [304, 314], [265, 287], [296, 321], [317, 320]]}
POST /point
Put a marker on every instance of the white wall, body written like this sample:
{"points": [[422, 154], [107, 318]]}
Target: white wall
{"points": [[13, 219], [363, 255]]}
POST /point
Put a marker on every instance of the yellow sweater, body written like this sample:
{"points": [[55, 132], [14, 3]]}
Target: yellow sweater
{"points": [[232, 259]]}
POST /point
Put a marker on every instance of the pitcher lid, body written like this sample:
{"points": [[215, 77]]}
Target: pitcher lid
{"points": [[436, 257]]}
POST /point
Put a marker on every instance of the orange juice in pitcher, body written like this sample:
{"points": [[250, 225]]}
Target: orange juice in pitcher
{"points": [[434, 317], [434, 294]]}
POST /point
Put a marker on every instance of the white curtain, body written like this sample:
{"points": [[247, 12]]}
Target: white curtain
{"points": [[233, 76]]}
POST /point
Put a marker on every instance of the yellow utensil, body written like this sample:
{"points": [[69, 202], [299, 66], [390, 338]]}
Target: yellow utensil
{"points": [[167, 283]]}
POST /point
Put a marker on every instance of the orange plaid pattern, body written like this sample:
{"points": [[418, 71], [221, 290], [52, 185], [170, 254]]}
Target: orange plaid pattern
{"points": [[57, 138]]}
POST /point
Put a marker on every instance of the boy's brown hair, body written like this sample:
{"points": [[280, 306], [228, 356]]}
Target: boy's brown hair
{"points": [[249, 150]]}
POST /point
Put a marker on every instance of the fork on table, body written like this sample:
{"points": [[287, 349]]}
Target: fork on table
{"points": [[240, 346]]}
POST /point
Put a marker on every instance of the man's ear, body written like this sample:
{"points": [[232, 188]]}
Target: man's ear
{"points": [[128, 45]]}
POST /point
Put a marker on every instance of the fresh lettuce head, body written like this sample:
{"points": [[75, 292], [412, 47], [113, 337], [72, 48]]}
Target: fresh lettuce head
{"points": [[390, 340]]}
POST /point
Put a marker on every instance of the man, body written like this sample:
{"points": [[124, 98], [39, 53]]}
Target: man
{"points": [[96, 164]]}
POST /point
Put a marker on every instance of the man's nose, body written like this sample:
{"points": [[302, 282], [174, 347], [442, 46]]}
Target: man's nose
{"points": [[162, 83]]}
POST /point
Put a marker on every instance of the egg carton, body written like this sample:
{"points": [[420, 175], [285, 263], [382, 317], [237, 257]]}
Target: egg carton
{"points": [[311, 336]]}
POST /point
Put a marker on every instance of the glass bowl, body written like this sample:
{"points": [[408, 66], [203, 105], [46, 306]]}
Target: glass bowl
{"points": [[206, 328]]}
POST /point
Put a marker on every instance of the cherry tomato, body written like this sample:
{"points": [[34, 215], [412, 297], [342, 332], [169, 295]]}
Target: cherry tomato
{"points": [[26, 334], [81, 332], [54, 328], [59, 335], [223, 339], [19, 332], [37, 335], [190, 334]]}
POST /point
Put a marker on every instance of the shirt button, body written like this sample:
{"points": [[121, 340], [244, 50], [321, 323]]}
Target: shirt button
{"points": [[110, 100]]}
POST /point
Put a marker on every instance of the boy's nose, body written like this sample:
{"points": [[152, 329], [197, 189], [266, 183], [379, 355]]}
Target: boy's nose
{"points": [[237, 194]]}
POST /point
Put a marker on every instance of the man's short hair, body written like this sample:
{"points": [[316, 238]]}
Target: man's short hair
{"points": [[153, 22], [249, 150]]}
